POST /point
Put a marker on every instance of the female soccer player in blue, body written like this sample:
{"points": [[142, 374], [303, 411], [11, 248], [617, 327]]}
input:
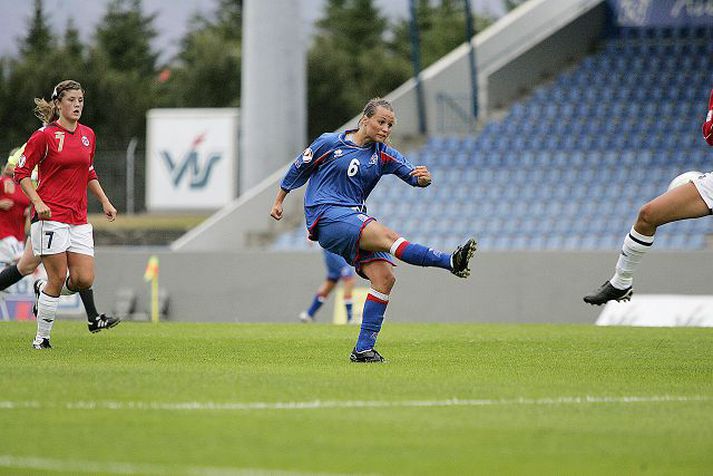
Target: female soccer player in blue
{"points": [[342, 169]]}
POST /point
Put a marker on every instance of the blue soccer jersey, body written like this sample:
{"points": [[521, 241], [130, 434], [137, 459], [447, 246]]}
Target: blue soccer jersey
{"points": [[341, 173]]}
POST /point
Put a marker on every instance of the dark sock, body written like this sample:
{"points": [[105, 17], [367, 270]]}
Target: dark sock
{"points": [[9, 276], [87, 296]]}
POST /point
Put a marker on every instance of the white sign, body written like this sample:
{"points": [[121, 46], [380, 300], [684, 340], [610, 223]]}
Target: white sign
{"points": [[659, 310], [191, 157]]}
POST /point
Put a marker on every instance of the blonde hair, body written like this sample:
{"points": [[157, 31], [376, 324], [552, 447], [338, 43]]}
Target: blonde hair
{"points": [[370, 107], [48, 111]]}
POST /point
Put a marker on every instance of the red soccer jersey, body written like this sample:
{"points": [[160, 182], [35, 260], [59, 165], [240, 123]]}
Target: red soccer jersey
{"points": [[12, 221], [708, 125], [65, 165]]}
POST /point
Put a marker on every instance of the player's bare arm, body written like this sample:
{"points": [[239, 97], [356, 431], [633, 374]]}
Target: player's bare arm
{"points": [[109, 210], [43, 211], [276, 211]]}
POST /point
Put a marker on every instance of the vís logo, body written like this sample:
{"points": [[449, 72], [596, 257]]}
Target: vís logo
{"points": [[196, 171]]}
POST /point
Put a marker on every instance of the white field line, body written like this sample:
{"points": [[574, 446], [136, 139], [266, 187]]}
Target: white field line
{"points": [[94, 467], [330, 404]]}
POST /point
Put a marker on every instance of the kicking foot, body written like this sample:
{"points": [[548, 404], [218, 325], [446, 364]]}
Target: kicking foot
{"points": [[606, 293], [460, 259]]}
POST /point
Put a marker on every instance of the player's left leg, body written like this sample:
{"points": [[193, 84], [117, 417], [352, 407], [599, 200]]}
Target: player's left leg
{"points": [[348, 292], [678, 204], [382, 281], [322, 293], [81, 276], [377, 237]]}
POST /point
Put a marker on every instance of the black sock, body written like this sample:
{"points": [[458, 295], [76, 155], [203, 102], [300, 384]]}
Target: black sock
{"points": [[87, 296], [9, 276]]}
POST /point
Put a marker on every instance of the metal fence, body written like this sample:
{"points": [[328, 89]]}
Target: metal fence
{"points": [[111, 166]]}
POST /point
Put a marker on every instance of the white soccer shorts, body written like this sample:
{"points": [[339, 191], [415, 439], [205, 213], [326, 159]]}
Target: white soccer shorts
{"points": [[52, 237], [704, 184], [10, 250]]}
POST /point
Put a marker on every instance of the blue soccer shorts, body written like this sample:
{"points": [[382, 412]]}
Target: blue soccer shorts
{"points": [[338, 230]]}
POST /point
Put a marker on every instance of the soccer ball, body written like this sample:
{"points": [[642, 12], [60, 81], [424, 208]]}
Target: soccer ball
{"points": [[684, 178]]}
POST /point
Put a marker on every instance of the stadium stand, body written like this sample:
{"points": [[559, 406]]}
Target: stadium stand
{"points": [[568, 166]]}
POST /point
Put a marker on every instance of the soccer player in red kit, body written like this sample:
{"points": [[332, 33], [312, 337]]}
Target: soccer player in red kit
{"points": [[14, 205], [690, 200], [63, 150]]}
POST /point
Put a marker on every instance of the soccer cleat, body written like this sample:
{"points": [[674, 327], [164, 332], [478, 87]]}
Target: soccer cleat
{"points": [[102, 322], [607, 292], [460, 258], [306, 318], [366, 356], [37, 287], [40, 343]]}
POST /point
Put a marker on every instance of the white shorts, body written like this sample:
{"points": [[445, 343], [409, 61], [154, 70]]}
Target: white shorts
{"points": [[52, 237], [704, 184], [10, 250]]}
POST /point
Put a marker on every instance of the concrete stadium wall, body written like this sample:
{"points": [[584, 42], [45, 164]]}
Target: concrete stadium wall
{"points": [[526, 287]]}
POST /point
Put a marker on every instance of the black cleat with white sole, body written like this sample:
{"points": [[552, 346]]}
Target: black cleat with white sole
{"points": [[460, 259], [37, 288], [366, 356], [40, 344], [607, 293], [102, 322]]}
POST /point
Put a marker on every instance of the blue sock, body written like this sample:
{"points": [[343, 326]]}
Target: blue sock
{"points": [[316, 304], [371, 319], [348, 306], [419, 255]]}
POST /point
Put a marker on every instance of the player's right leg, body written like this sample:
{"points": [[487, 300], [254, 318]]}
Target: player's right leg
{"points": [[47, 293], [687, 201], [377, 237]]}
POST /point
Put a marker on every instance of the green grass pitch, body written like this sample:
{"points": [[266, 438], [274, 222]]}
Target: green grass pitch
{"points": [[221, 399]]}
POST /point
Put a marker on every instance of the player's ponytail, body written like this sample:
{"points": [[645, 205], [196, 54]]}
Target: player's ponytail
{"points": [[49, 111]]}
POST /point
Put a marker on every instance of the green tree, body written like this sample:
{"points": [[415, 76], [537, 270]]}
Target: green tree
{"points": [[39, 37], [121, 73], [125, 36], [442, 28], [208, 68], [349, 62], [32, 74]]}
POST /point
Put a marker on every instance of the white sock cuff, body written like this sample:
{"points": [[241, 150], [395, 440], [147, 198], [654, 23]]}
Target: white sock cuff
{"points": [[639, 237], [321, 298], [377, 294], [395, 245], [348, 301], [47, 299]]}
